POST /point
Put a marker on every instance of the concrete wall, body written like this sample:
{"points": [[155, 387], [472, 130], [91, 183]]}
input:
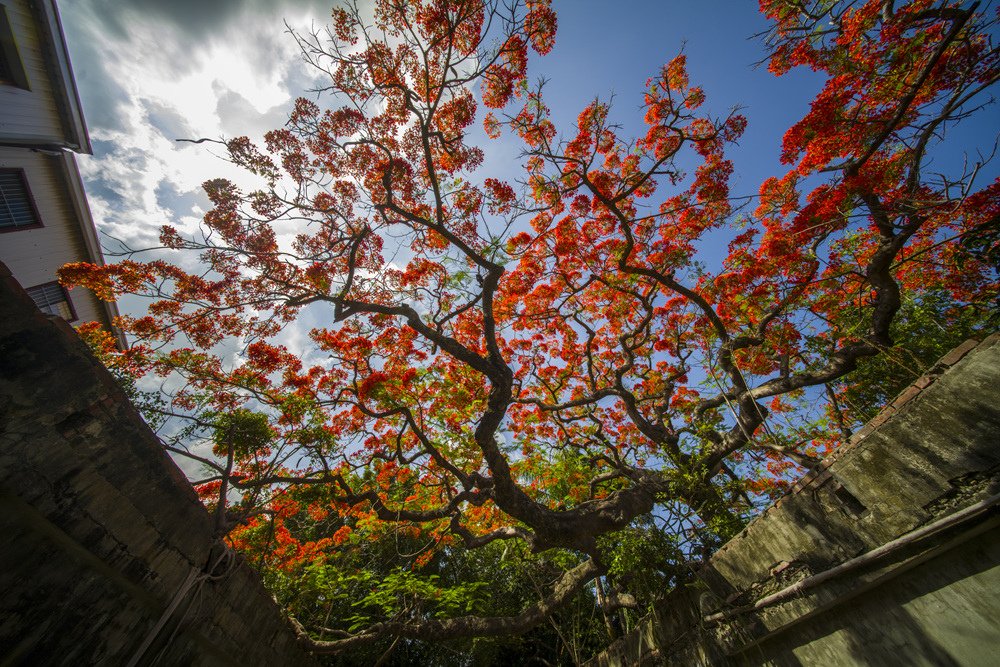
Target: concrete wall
{"points": [[106, 555], [933, 601]]}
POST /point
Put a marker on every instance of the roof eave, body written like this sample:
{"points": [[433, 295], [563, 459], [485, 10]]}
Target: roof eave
{"points": [[78, 138]]}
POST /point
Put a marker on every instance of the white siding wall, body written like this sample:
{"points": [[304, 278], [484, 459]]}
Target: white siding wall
{"points": [[29, 115], [34, 255]]}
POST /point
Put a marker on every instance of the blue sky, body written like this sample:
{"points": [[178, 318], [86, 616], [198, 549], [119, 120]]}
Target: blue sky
{"points": [[604, 47], [150, 72]]}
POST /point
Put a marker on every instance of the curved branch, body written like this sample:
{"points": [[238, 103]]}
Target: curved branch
{"points": [[468, 626]]}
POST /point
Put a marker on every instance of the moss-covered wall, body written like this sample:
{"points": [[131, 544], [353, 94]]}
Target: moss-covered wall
{"points": [[933, 452], [106, 555]]}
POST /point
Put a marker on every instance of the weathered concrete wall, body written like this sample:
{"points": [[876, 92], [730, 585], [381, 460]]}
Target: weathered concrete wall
{"points": [[933, 601], [107, 557]]}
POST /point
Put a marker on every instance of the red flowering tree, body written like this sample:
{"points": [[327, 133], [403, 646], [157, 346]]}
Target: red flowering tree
{"points": [[543, 364]]}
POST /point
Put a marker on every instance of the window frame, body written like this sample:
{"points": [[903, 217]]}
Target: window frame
{"points": [[31, 202], [65, 293]]}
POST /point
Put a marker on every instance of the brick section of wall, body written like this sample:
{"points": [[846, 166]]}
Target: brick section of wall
{"points": [[932, 452], [107, 557]]}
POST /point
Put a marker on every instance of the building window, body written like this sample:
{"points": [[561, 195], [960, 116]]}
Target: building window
{"points": [[51, 298], [11, 68], [17, 210]]}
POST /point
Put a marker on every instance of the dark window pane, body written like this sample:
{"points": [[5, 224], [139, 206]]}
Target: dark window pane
{"points": [[15, 204]]}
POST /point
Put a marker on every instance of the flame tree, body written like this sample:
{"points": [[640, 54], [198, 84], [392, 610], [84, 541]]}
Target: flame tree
{"points": [[541, 364]]}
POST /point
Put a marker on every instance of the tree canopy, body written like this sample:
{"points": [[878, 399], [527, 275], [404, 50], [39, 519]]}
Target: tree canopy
{"points": [[525, 392]]}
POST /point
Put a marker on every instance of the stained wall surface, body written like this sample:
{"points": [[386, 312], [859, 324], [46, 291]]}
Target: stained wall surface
{"points": [[928, 599], [106, 555]]}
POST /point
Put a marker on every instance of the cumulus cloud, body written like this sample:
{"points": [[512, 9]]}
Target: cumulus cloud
{"points": [[151, 72]]}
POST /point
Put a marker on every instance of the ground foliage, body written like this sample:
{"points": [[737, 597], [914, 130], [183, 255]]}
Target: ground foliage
{"points": [[528, 409]]}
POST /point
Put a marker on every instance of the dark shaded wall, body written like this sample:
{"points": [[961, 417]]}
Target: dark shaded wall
{"points": [[932, 601], [106, 555]]}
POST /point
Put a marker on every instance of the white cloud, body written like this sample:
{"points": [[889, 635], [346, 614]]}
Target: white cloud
{"points": [[150, 73], [152, 77]]}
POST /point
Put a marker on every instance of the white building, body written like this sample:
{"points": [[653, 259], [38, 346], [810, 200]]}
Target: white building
{"points": [[45, 221]]}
